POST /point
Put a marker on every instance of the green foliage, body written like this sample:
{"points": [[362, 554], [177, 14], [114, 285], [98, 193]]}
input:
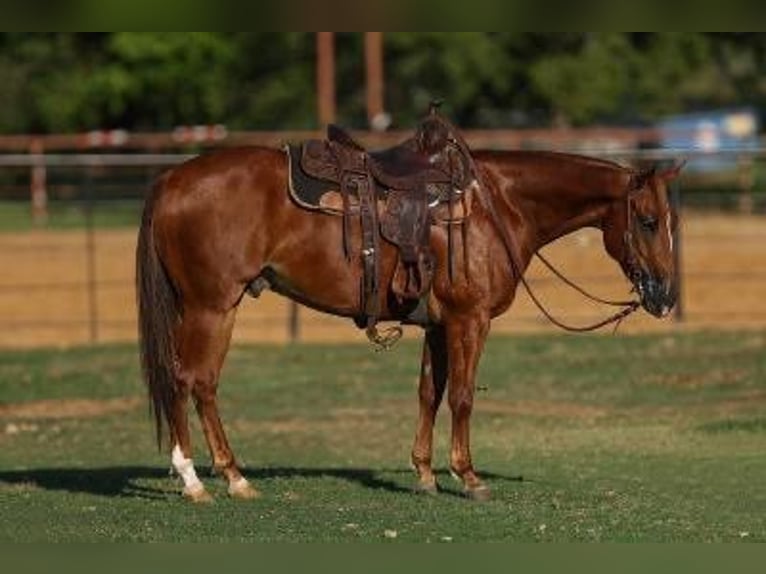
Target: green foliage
{"points": [[464, 69], [619, 76], [29, 66], [266, 80], [272, 81], [589, 82], [153, 80], [674, 71], [163, 78]]}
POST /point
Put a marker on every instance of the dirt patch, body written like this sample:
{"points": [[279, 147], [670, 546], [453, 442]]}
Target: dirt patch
{"points": [[747, 402], [337, 420], [68, 408], [345, 420], [712, 378], [541, 409]]}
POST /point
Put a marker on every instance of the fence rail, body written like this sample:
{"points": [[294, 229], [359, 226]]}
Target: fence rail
{"points": [[67, 233]]}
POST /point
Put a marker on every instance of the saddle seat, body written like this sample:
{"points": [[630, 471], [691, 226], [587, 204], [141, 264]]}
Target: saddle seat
{"points": [[399, 167]]}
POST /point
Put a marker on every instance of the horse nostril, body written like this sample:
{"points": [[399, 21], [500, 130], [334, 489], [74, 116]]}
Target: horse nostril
{"points": [[658, 297], [652, 288]]}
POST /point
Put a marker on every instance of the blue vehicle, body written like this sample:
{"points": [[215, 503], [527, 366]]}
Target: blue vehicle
{"points": [[711, 132]]}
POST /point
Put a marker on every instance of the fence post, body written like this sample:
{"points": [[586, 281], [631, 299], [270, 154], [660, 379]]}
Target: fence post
{"points": [[746, 177], [90, 260], [293, 322], [325, 65], [675, 201], [38, 191]]}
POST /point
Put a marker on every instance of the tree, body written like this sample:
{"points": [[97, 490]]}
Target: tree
{"points": [[589, 83], [145, 80], [470, 71], [266, 80]]}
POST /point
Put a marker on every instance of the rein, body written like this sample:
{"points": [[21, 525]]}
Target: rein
{"points": [[511, 248]]}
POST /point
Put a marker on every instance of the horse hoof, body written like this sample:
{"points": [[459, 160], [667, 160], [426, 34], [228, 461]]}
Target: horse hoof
{"points": [[198, 495], [242, 490], [429, 488], [479, 493]]}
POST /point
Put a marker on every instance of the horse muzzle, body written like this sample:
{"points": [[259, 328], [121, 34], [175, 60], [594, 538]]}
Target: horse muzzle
{"points": [[657, 297]]}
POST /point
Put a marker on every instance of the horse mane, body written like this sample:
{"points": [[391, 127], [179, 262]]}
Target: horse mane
{"points": [[549, 154]]}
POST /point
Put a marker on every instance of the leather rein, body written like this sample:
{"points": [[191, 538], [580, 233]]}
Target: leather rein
{"points": [[512, 250]]}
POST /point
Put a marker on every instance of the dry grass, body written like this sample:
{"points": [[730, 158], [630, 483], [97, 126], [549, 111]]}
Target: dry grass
{"points": [[68, 408], [43, 298]]}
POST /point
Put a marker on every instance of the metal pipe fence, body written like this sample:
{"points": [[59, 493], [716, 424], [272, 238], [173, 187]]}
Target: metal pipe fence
{"points": [[68, 224]]}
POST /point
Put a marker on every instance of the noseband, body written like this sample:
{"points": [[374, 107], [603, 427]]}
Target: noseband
{"points": [[636, 185]]}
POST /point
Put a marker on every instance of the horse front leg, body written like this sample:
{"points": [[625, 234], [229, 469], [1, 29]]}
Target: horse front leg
{"points": [[465, 341], [433, 380]]}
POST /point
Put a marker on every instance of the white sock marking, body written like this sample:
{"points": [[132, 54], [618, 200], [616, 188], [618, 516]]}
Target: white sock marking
{"points": [[185, 469]]}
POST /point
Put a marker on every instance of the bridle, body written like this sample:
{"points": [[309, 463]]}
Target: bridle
{"points": [[636, 184]]}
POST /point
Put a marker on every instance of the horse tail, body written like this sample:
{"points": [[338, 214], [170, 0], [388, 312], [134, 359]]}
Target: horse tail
{"points": [[158, 313]]}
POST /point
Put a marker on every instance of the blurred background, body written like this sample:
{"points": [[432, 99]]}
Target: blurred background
{"points": [[88, 120]]}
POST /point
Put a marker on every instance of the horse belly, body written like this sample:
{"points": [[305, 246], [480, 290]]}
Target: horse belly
{"points": [[310, 266]]}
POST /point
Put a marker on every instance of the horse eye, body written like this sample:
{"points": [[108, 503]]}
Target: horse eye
{"points": [[648, 222]]}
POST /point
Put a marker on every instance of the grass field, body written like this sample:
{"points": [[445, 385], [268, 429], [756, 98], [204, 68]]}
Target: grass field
{"points": [[592, 438], [70, 214]]}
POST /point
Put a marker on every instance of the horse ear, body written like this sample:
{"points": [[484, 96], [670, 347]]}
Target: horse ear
{"points": [[672, 172]]}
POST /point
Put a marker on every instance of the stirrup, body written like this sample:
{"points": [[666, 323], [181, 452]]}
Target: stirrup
{"points": [[383, 339]]}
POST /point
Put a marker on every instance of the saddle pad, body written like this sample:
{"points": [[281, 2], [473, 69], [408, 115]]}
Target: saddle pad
{"points": [[310, 192]]}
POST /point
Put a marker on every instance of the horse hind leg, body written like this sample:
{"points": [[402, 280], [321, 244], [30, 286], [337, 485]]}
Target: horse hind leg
{"points": [[433, 380], [203, 341], [180, 458]]}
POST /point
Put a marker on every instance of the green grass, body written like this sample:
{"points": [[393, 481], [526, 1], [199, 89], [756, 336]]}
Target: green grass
{"points": [[17, 215], [588, 438]]}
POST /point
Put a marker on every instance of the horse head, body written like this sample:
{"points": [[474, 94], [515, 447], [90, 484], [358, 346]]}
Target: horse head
{"points": [[638, 233]]}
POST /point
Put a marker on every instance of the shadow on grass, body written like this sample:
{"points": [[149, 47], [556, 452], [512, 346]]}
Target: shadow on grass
{"points": [[108, 481], [126, 481]]}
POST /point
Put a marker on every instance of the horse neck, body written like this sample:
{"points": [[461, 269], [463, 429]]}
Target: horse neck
{"points": [[556, 194]]}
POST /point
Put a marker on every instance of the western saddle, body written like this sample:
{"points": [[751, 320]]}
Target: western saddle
{"points": [[397, 194]]}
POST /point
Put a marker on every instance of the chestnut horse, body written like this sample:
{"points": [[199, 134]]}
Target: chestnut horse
{"points": [[222, 225]]}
